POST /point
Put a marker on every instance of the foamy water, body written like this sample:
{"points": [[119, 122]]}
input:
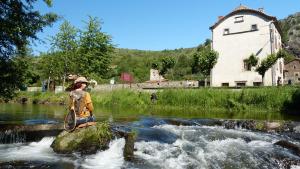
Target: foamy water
{"points": [[203, 147], [197, 147], [109, 159], [41, 151], [295, 167], [34, 151]]}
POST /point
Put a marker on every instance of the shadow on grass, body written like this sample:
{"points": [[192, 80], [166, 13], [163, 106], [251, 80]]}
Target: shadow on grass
{"points": [[292, 106]]}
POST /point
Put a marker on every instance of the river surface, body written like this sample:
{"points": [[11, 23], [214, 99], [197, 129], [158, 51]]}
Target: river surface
{"points": [[159, 144]]}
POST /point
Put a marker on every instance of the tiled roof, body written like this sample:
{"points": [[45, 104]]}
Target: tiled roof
{"points": [[242, 8]]}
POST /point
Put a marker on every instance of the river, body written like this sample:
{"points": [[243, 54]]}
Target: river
{"points": [[159, 145]]}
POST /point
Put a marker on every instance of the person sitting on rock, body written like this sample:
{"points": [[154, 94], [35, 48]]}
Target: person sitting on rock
{"points": [[81, 103]]}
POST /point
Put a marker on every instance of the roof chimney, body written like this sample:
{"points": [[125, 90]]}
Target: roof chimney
{"points": [[220, 17], [261, 10]]}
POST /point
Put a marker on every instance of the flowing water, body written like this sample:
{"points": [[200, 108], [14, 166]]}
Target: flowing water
{"points": [[159, 145]]}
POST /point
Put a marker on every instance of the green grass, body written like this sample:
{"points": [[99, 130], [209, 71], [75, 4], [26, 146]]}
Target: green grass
{"points": [[271, 99], [121, 97]]}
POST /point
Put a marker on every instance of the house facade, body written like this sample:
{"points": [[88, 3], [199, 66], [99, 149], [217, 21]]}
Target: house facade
{"points": [[235, 37], [292, 72]]}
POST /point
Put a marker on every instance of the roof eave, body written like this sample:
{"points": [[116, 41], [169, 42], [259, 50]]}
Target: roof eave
{"points": [[248, 10]]}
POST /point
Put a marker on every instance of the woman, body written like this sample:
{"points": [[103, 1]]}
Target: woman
{"points": [[81, 103]]}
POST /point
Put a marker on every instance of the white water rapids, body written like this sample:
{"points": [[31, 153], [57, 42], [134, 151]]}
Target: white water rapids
{"points": [[41, 151], [196, 147]]}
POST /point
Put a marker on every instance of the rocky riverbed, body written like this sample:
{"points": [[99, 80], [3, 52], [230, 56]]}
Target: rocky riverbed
{"points": [[171, 143]]}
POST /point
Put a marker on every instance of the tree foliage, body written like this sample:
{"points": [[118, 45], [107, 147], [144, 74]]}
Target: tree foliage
{"points": [[204, 60], [65, 47], [252, 60], [182, 69], [19, 23], [139, 63], [268, 62], [167, 63], [86, 52], [51, 66], [95, 50]]}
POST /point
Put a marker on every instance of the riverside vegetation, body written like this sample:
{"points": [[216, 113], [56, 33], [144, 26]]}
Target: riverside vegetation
{"points": [[72, 46], [270, 99]]}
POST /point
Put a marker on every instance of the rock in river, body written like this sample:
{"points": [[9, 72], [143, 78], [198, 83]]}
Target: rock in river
{"points": [[91, 139], [288, 145], [85, 140]]}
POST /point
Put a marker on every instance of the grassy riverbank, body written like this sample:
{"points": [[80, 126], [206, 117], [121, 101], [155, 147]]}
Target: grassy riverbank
{"points": [[273, 99]]}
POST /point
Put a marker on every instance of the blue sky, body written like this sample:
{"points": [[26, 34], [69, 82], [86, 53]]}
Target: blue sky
{"points": [[153, 24]]}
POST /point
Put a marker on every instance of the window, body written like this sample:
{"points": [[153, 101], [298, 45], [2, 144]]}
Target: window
{"points": [[240, 84], [239, 19], [296, 74], [225, 84], [247, 66], [254, 27], [226, 31], [257, 83], [201, 83], [294, 67]]}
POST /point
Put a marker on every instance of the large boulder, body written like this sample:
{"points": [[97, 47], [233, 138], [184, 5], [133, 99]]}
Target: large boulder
{"points": [[288, 145], [85, 140]]}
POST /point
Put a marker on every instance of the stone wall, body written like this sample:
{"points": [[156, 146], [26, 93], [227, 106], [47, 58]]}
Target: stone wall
{"points": [[148, 85], [292, 72]]}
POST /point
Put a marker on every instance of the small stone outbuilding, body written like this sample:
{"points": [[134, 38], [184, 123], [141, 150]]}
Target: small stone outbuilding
{"points": [[292, 72]]}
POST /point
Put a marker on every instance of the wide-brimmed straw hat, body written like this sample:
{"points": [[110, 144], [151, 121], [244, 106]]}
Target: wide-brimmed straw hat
{"points": [[81, 80]]}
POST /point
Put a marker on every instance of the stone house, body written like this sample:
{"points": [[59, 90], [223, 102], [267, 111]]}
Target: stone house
{"points": [[292, 72], [235, 37]]}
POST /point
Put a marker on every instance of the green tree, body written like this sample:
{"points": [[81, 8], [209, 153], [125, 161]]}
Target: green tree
{"points": [[27, 62], [206, 59], [51, 67], [19, 23], [66, 43], [182, 67], [166, 64], [252, 60], [195, 63], [95, 51], [265, 65], [268, 62], [286, 55], [155, 65]]}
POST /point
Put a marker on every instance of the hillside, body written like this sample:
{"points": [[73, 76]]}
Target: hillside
{"points": [[291, 33], [139, 62]]}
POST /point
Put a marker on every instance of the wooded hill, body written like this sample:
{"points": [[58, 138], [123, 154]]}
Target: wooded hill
{"points": [[291, 33], [139, 62]]}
